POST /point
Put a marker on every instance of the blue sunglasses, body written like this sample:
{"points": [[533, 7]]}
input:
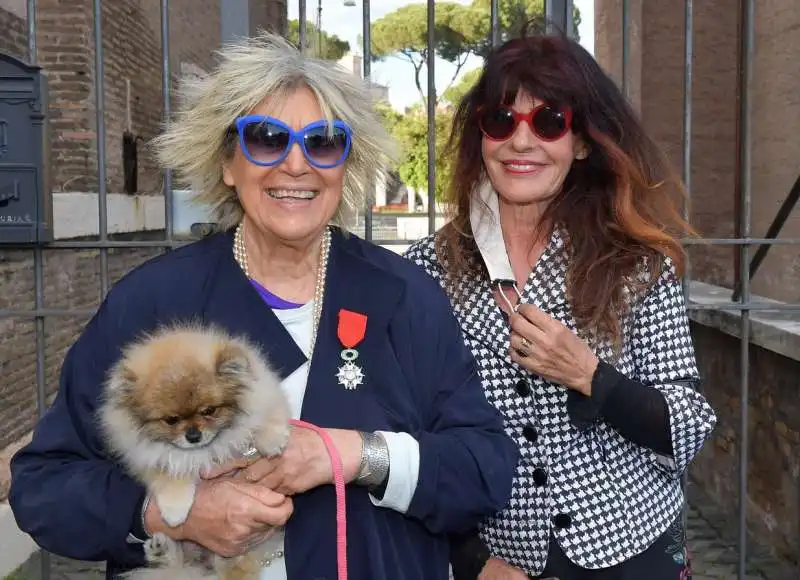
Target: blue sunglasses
{"points": [[266, 141]]}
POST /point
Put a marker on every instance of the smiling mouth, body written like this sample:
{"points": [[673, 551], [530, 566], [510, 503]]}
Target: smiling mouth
{"points": [[293, 194], [522, 167]]}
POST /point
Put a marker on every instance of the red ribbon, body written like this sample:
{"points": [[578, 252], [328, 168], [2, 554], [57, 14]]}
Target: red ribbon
{"points": [[352, 327]]}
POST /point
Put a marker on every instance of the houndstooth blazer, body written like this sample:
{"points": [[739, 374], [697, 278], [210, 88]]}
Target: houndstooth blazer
{"points": [[604, 498]]}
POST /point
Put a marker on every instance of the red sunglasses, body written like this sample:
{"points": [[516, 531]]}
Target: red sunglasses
{"points": [[547, 123]]}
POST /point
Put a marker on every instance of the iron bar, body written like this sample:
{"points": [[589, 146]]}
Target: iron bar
{"points": [[494, 31], [431, 117], [774, 229], [558, 15], [100, 128], [750, 306], [366, 50], [319, 29], [569, 20], [108, 244], [626, 47], [38, 284], [47, 313], [691, 306], [745, 166], [739, 241], [176, 243], [31, 15], [301, 24], [688, 53], [166, 90], [688, 33]]}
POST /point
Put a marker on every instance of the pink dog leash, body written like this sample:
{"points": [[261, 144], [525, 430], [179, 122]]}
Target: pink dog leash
{"points": [[338, 481]]}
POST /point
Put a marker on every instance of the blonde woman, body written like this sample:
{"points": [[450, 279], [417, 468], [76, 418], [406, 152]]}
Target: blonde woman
{"points": [[277, 143]]}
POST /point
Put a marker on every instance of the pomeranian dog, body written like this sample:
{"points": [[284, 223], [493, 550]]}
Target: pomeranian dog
{"points": [[179, 401]]}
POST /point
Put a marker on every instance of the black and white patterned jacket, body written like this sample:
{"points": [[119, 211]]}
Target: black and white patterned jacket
{"points": [[604, 498]]}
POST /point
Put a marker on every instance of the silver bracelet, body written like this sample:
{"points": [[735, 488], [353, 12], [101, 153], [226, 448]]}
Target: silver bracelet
{"points": [[145, 505], [374, 468]]}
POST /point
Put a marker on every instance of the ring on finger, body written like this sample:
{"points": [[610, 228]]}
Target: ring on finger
{"points": [[251, 454]]}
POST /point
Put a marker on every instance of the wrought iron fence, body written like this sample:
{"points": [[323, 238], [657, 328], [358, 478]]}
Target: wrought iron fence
{"points": [[559, 14]]}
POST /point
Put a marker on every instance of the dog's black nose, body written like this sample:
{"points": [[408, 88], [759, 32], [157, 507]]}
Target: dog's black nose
{"points": [[193, 435]]}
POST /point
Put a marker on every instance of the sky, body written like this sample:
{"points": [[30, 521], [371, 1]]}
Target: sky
{"points": [[396, 72]]}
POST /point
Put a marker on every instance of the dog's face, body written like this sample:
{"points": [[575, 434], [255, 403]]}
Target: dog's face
{"points": [[185, 396]]}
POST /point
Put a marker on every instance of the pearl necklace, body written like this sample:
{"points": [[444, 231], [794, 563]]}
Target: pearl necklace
{"points": [[240, 253]]}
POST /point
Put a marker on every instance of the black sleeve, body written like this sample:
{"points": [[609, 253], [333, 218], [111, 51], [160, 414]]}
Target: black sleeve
{"points": [[468, 555], [637, 411]]}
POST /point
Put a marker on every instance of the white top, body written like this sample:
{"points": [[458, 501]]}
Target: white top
{"points": [[403, 448]]}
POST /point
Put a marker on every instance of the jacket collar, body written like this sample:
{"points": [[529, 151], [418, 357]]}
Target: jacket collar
{"points": [[353, 282], [234, 302]]}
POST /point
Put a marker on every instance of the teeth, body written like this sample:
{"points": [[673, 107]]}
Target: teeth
{"points": [[523, 166], [291, 194]]}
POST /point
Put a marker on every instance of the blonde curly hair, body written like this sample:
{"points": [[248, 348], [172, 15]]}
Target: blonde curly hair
{"points": [[198, 140]]}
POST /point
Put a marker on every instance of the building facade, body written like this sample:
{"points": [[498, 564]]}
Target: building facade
{"points": [[656, 88], [131, 36]]}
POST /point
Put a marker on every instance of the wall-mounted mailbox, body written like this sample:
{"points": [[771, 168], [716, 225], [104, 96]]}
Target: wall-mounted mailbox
{"points": [[26, 201]]}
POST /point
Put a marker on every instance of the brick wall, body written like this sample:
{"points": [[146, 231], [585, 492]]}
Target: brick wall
{"points": [[132, 52], [657, 39], [14, 38], [72, 281]]}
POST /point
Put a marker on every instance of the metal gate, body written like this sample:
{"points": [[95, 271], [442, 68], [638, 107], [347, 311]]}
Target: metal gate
{"points": [[559, 12]]}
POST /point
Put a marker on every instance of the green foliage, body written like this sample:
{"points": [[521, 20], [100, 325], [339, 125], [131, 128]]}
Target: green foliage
{"points": [[453, 95], [333, 47], [460, 31], [411, 132]]}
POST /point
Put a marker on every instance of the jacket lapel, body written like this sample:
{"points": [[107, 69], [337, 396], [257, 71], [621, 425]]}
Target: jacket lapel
{"points": [[234, 304], [482, 318], [354, 284]]}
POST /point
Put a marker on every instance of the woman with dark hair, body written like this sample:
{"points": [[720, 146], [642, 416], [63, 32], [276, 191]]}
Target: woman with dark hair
{"points": [[562, 263]]}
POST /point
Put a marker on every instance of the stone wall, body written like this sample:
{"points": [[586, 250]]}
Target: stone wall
{"points": [[774, 438], [656, 75]]}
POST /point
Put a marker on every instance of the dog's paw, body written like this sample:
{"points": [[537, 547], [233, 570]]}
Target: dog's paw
{"points": [[160, 550], [273, 441], [175, 514], [175, 502]]}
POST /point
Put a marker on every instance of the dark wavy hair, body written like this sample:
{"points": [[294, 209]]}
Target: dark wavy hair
{"points": [[619, 206]]}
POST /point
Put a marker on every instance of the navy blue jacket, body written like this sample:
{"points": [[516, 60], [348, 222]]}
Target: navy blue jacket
{"points": [[420, 378]]}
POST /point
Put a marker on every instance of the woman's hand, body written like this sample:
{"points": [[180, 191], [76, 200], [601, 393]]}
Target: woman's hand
{"points": [[496, 569], [303, 465], [544, 346], [228, 516]]}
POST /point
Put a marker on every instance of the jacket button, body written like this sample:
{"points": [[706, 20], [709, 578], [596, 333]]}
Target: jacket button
{"points": [[539, 476], [523, 388], [562, 521], [530, 433]]}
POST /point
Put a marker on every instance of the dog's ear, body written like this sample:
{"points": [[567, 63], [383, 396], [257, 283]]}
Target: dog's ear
{"points": [[233, 362], [122, 378]]}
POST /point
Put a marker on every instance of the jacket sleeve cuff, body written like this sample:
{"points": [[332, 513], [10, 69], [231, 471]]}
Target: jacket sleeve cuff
{"points": [[585, 411], [138, 535], [403, 472]]}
